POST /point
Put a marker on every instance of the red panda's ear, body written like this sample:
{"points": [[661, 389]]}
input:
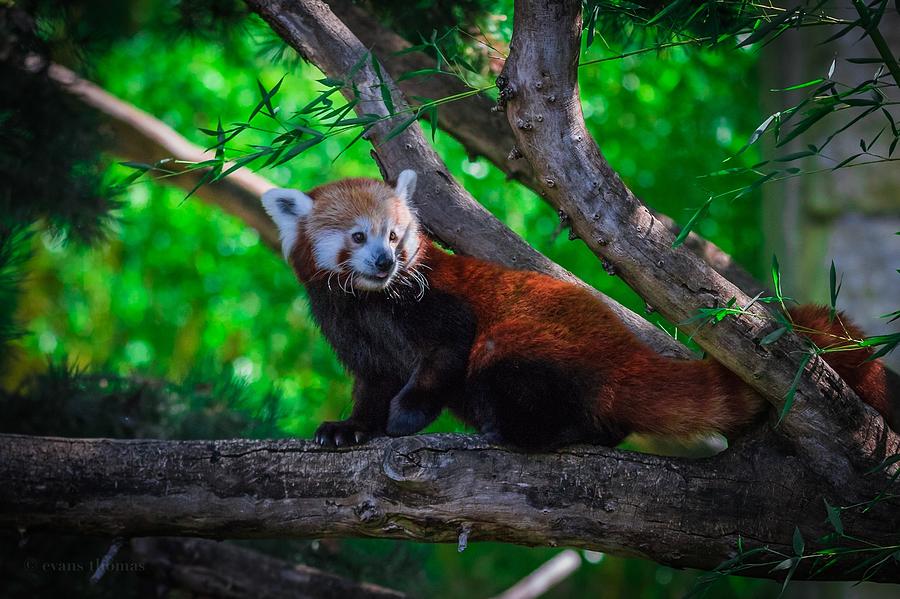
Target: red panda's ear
{"points": [[406, 185], [287, 207]]}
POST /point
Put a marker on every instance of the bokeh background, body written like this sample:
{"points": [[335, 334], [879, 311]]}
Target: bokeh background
{"points": [[188, 302]]}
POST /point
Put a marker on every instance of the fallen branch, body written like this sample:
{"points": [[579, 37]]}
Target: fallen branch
{"points": [[548, 575], [678, 512], [223, 570]]}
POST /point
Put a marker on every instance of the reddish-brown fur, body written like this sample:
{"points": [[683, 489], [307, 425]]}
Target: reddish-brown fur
{"points": [[531, 315], [537, 361]]}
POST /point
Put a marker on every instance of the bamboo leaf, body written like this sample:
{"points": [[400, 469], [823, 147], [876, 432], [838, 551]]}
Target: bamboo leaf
{"points": [[773, 336], [141, 166], [799, 85], [758, 132], [763, 30], [885, 463], [892, 316], [834, 517], [266, 100], [815, 116], [421, 72], [665, 11], [795, 155], [383, 87], [798, 542], [845, 162], [835, 289], [784, 565], [747, 189], [298, 148], [776, 277], [400, 128], [433, 120], [789, 398], [686, 230]]}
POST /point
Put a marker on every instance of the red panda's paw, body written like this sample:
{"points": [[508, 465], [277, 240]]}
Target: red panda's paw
{"points": [[405, 419], [343, 433]]}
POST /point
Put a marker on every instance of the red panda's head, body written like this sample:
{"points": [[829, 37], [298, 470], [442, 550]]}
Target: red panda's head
{"points": [[363, 230]]}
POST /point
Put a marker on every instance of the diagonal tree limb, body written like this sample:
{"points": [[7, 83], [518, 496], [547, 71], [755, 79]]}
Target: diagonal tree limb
{"points": [[831, 427], [244, 204], [482, 131], [452, 215], [141, 137], [678, 512]]}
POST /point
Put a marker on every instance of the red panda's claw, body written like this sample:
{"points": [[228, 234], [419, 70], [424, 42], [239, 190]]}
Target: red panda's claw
{"points": [[341, 433]]}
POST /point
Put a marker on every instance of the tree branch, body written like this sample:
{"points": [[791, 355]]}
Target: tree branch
{"points": [[448, 211], [679, 512], [224, 570], [482, 131], [831, 427], [141, 137]]}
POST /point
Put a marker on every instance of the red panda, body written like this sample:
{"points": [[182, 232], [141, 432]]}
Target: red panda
{"points": [[532, 361]]}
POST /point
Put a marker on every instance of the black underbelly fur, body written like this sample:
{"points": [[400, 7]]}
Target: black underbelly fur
{"points": [[409, 359]]}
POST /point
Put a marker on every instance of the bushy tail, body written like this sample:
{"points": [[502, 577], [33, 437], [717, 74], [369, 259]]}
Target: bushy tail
{"points": [[695, 397], [870, 379]]}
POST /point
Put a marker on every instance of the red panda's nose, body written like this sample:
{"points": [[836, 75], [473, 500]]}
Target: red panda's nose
{"points": [[384, 262]]}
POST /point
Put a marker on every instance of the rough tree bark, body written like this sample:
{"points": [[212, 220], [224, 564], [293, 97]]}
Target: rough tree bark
{"points": [[482, 131], [831, 427], [679, 512], [687, 513]]}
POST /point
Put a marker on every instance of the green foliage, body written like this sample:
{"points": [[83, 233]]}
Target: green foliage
{"points": [[13, 254], [209, 403], [643, 26], [49, 159], [179, 282], [828, 549]]}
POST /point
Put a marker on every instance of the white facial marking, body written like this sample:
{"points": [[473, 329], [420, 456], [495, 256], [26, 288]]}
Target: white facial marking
{"points": [[410, 242], [406, 185], [363, 256], [326, 247], [287, 207]]}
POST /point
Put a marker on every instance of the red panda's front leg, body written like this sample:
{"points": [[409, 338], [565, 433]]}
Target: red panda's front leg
{"points": [[429, 389], [371, 399]]}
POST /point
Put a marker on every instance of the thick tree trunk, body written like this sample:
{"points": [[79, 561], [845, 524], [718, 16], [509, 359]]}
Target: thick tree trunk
{"points": [[679, 512]]}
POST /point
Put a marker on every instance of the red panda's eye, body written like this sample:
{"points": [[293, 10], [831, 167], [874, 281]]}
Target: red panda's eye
{"points": [[358, 237], [393, 236]]}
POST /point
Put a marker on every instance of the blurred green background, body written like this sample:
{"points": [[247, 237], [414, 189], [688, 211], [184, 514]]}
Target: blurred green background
{"points": [[179, 290]]}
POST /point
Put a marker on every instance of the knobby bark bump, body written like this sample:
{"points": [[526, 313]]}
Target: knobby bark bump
{"points": [[676, 511]]}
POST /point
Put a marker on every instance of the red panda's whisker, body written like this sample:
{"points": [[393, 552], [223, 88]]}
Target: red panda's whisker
{"points": [[543, 366]]}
